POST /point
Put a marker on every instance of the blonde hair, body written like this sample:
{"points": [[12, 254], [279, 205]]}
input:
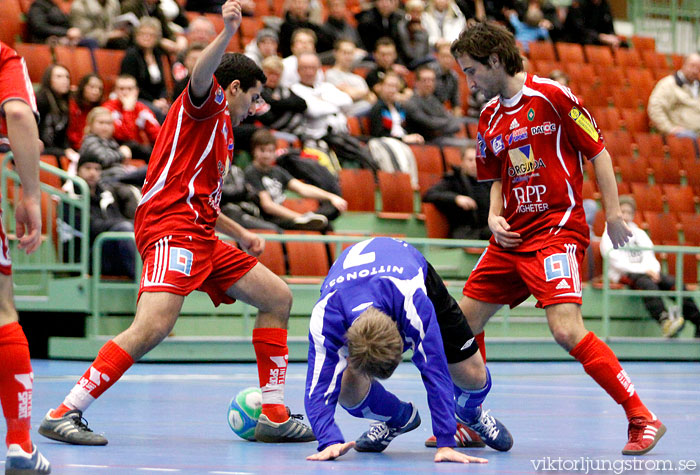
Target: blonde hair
{"points": [[152, 23], [273, 62], [94, 112], [375, 345]]}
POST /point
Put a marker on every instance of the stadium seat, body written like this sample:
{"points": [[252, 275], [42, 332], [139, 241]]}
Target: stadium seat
{"points": [[436, 224], [643, 43], [452, 156], [77, 59], [681, 148], [627, 57], [217, 20], [623, 188], [690, 224], [627, 98], [249, 28], [357, 187], [665, 170], [642, 81], [570, 52], [307, 258], [654, 60], [427, 180], [619, 143], [542, 51], [610, 75], [13, 27], [661, 227], [635, 120], [109, 62], [47, 177], [649, 145], [692, 172], [690, 267], [677, 61], [37, 57], [607, 118], [648, 197], [273, 255], [397, 195], [428, 158], [544, 67], [599, 55], [680, 198], [593, 95]]}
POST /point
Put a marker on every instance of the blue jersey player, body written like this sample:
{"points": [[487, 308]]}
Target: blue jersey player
{"points": [[380, 298]]}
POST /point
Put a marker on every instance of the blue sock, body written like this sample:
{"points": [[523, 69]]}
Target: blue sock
{"points": [[469, 401], [381, 405]]}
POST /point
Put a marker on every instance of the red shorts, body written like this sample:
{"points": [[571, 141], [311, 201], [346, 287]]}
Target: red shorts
{"points": [[15, 82], [551, 274], [5, 261], [181, 264]]}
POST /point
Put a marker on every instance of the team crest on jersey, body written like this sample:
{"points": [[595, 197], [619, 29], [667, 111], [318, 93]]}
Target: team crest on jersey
{"points": [[497, 144], [219, 96], [518, 134], [557, 266], [531, 114], [583, 122], [480, 146], [546, 129], [523, 161]]}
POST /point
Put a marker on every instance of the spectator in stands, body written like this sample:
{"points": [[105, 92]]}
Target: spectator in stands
{"points": [[134, 124], [303, 41], [426, 115], [270, 181], [342, 77], [531, 28], [172, 37], [446, 79], [52, 103], [590, 22], [112, 208], [296, 17], [182, 74], [239, 202], [463, 199], [385, 57], [144, 61], [88, 96], [204, 6], [387, 117], [443, 20], [46, 20], [286, 114], [265, 44], [337, 27], [201, 30], [552, 20], [642, 271], [99, 144], [412, 41], [560, 76], [379, 21], [96, 20], [674, 104]]}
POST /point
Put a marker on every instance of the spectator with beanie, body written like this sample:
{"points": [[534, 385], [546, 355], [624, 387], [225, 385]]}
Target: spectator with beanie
{"points": [[264, 45]]}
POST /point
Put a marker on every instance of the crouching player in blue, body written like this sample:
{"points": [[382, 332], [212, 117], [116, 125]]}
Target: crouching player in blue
{"points": [[381, 297]]}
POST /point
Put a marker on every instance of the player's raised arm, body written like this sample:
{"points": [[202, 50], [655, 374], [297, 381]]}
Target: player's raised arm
{"points": [[211, 56]]}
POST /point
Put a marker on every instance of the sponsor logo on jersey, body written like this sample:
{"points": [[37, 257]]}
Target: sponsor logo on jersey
{"points": [[531, 114], [480, 146], [514, 124], [583, 122], [546, 129], [556, 266], [497, 144], [529, 199], [219, 96], [523, 161], [518, 134]]}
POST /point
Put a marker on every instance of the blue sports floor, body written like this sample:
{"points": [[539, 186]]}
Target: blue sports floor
{"points": [[172, 419]]}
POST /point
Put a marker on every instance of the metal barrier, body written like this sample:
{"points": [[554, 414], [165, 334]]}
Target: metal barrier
{"points": [[678, 293], [675, 23]]}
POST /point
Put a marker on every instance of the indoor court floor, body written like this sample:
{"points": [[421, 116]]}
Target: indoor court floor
{"points": [[171, 418]]}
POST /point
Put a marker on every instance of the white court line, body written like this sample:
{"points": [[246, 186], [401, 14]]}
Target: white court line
{"points": [[232, 473], [77, 465], [152, 469]]}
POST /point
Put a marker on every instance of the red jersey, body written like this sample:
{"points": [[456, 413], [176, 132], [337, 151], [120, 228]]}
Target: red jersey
{"points": [[535, 143], [137, 125], [190, 159], [15, 82]]}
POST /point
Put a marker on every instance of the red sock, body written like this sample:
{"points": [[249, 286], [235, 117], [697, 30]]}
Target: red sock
{"points": [[111, 362], [272, 354], [602, 365], [482, 345], [16, 380]]}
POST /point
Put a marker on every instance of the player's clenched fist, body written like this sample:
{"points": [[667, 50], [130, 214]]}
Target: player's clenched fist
{"points": [[231, 12]]}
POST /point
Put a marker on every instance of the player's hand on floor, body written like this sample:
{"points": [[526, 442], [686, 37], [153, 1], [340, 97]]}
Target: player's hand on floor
{"points": [[332, 451], [502, 234], [448, 454]]}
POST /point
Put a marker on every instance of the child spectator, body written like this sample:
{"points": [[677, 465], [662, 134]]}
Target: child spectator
{"points": [[99, 145]]}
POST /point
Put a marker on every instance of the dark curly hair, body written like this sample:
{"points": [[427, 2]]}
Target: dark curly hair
{"points": [[481, 39], [238, 66]]}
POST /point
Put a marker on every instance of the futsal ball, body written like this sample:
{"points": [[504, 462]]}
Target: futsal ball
{"points": [[244, 411]]}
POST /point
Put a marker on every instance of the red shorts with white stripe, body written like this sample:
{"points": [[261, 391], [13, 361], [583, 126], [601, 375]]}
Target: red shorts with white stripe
{"points": [[5, 261], [551, 274], [180, 264]]}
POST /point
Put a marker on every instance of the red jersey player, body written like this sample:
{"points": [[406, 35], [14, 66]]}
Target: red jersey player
{"points": [[18, 121], [175, 234], [533, 136]]}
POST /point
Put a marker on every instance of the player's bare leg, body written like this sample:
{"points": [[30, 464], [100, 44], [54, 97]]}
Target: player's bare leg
{"points": [[598, 360], [273, 299], [156, 314]]}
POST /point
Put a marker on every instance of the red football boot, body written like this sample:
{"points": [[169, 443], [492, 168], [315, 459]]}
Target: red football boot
{"points": [[464, 437], [643, 435]]}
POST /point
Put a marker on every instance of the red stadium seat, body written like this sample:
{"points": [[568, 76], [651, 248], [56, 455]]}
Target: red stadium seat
{"points": [[680, 198], [649, 145], [452, 156], [37, 57], [661, 226], [690, 223], [692, 172], [428, 158], [13, 28], [606, 118], [436, 224], [599, 55], [632, 170], [357, 187], [648, 197], [643, 43], [635, 120], [307, 258], [397, 195], [610, 75], [619, 143], [681, 148], [570, 52], [666, 170], [542, 51], [627, 58], [654, 60], [77, 59], [627, 98]]}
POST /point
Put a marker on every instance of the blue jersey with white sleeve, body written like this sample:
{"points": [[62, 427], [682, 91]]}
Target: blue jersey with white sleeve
{"points": [[389, 275]]}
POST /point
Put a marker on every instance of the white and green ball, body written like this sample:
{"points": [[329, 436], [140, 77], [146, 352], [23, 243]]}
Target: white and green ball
{"points": [[244, 411]]}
